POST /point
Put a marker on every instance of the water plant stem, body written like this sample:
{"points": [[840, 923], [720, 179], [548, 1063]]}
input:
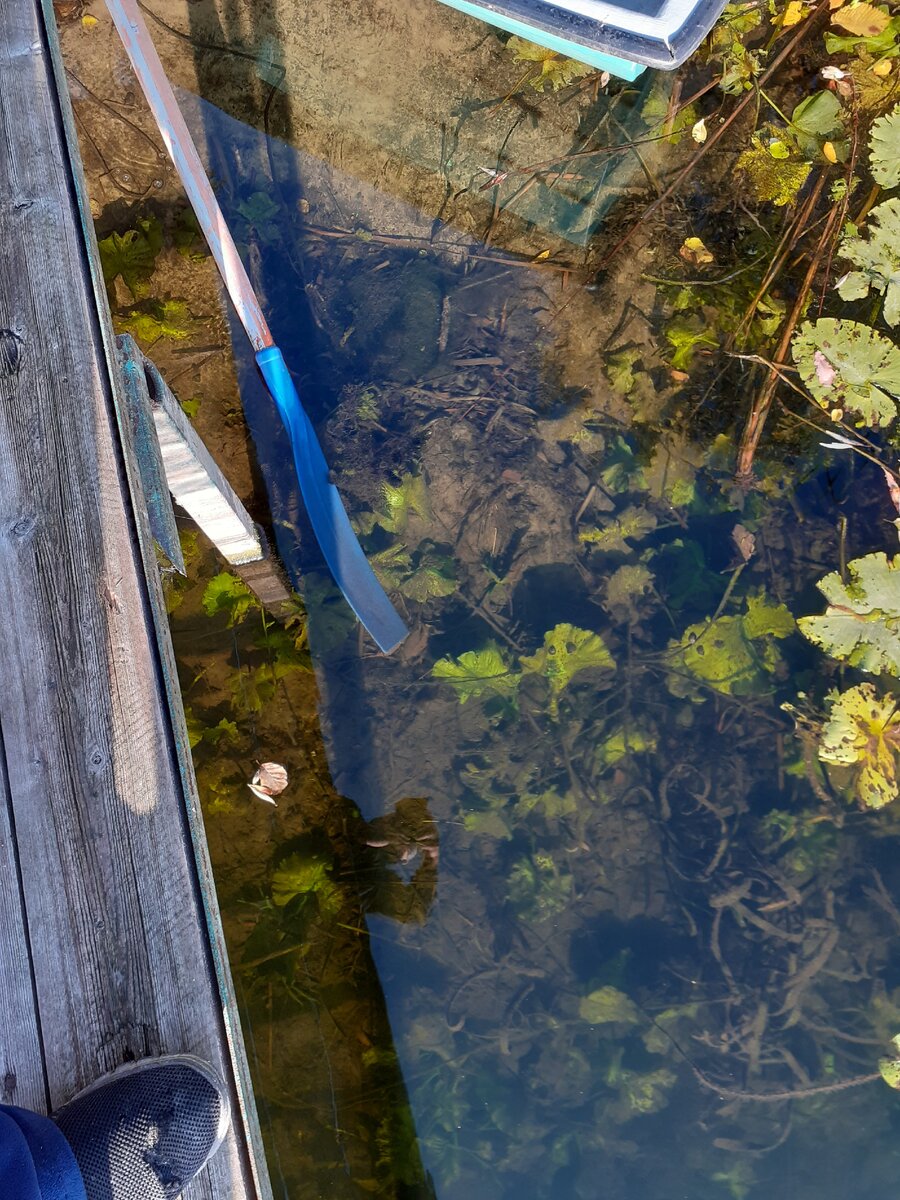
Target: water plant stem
{"points": [[716, 136]]}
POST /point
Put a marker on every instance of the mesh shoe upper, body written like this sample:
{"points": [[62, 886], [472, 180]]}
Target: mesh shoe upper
{"points": [[145, 1132]]}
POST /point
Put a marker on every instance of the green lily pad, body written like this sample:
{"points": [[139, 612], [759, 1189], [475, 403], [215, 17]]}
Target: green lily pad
{"points": [[861, 624], [878, 260], [849, 366], [884, 149]]}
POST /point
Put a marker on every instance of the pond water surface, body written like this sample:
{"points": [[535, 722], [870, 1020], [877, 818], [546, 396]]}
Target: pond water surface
{"points": [[558, 902]]}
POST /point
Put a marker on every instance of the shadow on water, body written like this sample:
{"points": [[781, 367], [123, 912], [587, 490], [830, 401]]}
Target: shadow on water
{"points": [[628, 887]]}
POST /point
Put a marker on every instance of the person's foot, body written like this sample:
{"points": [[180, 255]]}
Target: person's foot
{"points": [[145, 1131]]}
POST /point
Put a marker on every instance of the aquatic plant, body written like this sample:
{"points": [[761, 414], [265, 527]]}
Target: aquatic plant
{"points": [[877, 259], [306, 874], [631, 524], [422, 575], [557, 71], [609, 1006], [726, 47], [156, 319], [131, 255], [850, 368], [478, 673], [402, 501], [884, 147], [227, 593], [538, 888], [734, 655], [567, 650], [861, 624], [862, 734]]}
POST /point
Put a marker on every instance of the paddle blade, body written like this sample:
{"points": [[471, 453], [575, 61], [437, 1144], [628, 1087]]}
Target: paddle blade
{"points": [[343, 553]]}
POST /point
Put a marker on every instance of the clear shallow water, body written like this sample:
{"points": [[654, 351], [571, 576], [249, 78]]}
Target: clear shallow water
{"points": [[518, 935]]}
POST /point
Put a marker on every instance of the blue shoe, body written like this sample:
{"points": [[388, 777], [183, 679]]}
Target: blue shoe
{"points": [[144, 1131]]}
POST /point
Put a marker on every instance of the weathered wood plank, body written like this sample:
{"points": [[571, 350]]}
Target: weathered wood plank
{"points": [[21, 1067], [121, 959]]}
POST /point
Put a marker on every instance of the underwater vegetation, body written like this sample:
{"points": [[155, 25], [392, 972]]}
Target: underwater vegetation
{"points": [[643, 531]]}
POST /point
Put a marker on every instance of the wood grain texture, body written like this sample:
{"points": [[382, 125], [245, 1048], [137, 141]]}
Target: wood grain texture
{"points": [[118, 940]]}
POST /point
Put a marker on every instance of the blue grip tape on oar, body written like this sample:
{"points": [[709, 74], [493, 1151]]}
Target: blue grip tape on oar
{"points": [[343, 553]]}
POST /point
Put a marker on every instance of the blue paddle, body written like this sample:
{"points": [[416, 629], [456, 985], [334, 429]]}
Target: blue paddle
{"points": [[340, 546]]}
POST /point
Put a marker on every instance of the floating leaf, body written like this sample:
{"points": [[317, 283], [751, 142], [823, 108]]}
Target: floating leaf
{"points": [[632, 523], [556, 70], [773, 177], [609, 1006], [862, 621], [566, 651], [884, 149], [478, 672], [861, 20], [818, 115], [880, 44], [793, 14], [866, 365], [878, 260], [699, 131], [863, 732]]}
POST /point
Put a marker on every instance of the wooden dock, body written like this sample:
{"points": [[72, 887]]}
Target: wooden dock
{"points": [[110, 945]]}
